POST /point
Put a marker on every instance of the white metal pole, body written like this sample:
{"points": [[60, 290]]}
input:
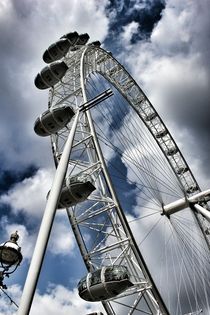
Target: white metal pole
{"points": [[46, 225], [203, 211]]}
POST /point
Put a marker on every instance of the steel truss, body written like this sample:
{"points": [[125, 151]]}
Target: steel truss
{"points": [[99, 224]]}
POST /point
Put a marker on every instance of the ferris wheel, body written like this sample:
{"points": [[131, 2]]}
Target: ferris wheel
{"points": [[138, 214]]}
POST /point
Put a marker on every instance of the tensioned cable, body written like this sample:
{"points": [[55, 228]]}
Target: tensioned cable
{"points": [[142, 135], [129, 160], [183, 240], [150, 174], [130, 181], [187, 235], [178, 257], [189, 301], [179, 278], [106, 118], [149, 232], [200, 235], [139, 135], [133, 152], [143, 217], [136, 309], [148, 192]]}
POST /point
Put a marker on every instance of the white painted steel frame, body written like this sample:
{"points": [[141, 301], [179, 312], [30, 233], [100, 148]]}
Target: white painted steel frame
{"points": [[46, 226], [105, 64], [72, 89], [158, 305], [72, 92], [124, 239]]}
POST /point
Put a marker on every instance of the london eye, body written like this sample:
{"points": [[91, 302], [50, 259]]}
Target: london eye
{"points": [[140, 219]]}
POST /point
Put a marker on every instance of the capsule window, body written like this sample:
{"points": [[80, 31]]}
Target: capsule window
{"points": [[95, 277], [56, 72], [59, 119], [43, 130], [108, 274], [49, 78], [51, 125], [116, 273], [78, 195], [82, 285], [66, 200]]}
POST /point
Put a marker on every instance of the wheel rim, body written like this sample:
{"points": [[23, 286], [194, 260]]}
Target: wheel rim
{"points": [[150, 187]]}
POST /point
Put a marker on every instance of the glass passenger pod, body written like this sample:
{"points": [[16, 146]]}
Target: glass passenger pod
{"points": [[72, 37], [53, 120], [95, 43], [181, 170], [76, 189], [161, 133], [104, 283], [57, 50], [172, 151], [50, 75], [150, 116], [81, 41], [192, 189]]}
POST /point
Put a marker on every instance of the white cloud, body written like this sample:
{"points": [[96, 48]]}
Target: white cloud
{"points": [[62, 240], [56, 300], [29, 28], [173, 71], [6, 307], [128, 31], [29, 196], [61, 300]]}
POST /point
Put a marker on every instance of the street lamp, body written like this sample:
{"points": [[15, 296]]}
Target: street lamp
{"points": [[10, 257]]}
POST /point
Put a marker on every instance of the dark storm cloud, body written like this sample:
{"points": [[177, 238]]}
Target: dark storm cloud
{"points": [[20, 101], [10, 177], [122, 13], [27, 29], [173, 68], [190, 101]]}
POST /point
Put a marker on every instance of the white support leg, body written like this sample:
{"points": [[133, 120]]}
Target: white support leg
{"points": [[46, 225], [203, 211]]}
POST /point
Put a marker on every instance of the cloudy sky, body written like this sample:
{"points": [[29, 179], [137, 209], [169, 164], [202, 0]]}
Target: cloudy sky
{"points": [[165, 45]]}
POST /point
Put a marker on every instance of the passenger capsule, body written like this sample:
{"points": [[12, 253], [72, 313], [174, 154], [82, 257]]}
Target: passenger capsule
{"points": [[104, 283], [150, 116], [172, 151], [72, 37], [161, 133], [76, 189], [207, 231], [50, 75], [95, 43], [82, 40], [53, 120], [57, 50], [77, 40], [182, 170], [191, 189]]}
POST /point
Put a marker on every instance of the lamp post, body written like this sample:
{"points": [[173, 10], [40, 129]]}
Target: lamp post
{"points": [[10, 257]]}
